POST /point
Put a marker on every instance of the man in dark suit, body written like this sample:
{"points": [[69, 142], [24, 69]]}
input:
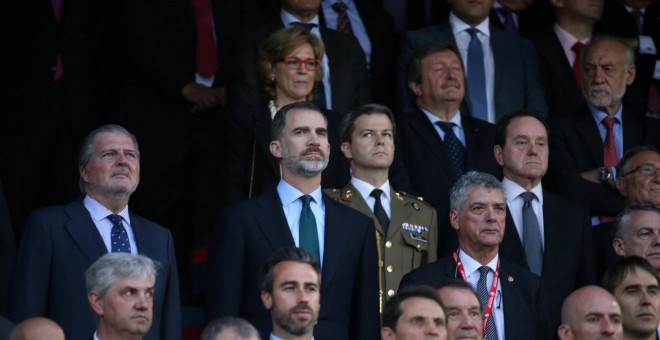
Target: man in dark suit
{"points": [[510, 70], [558, 49], [517, 307], [590, 303], [59, 243], [586, 146], [428, 159], [297, 213], [120, 289], [406, 226], [345, 83], [545, 233], [637, 21], [374, 29]]}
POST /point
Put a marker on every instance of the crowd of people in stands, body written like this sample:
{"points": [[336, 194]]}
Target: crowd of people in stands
{"points": [[330, 169]]}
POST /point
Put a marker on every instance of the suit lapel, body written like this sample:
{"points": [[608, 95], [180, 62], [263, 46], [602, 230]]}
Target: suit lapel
{"points": [[633, 132], [512, 247], [586, 128], [352, 197], [423, 128], [508, 282], [83, 231], [474, 143], [337, 234], [272, 222], [553, 236], [563, 71]]}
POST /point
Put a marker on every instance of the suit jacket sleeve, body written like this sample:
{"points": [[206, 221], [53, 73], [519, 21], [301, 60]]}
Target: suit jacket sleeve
{"points": [[28, 288], [226, 267], [365, 323]]}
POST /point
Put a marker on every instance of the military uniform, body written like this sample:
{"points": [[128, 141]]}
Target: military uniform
{"points": [[412, 236]]}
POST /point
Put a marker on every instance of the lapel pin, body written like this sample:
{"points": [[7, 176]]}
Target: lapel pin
{"points": [[510, 279], [415, 206]]}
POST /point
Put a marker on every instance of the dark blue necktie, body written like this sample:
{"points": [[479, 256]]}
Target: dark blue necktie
{"points": [[118, 236], [309, 239], [454, 147], [482, 292], [531, 234], [476, 77]]}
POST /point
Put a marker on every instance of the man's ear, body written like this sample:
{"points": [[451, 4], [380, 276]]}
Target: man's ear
{"points": [[453, 218], [346, 149], [564, 332], [267, 299], [276, 149], [617, 243], [499, 157], [96, 301]]}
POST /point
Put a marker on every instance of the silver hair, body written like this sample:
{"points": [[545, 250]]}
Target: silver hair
{"points": [[630, 53], [622, 220], [112, 266], [242, 328], [469, 180], [87, 148]]}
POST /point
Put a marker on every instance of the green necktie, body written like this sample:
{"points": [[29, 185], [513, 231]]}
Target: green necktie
{"points": [[309, 239]]}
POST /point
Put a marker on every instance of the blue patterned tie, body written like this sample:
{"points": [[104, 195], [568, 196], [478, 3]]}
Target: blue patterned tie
{"points": [[118, 235], [308, 235], [531, 234], [482, 292], [454, 147], [476, 77]]}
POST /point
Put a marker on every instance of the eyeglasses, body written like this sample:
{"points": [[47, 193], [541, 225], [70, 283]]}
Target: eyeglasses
{"points": [[293, 63], [645, 169]]}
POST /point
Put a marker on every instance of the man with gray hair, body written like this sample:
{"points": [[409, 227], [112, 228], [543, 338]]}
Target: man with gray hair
{"points": [[120, 290], [60, 243], [513, 304], [229, 328], [637, 232]]}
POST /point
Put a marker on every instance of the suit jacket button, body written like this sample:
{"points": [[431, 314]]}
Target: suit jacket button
{"points": [[390, 293], [389, 269], [388, 244]]}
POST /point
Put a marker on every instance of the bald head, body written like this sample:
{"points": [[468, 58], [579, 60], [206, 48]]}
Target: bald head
{"points": [[588, 313], [37, 329]]}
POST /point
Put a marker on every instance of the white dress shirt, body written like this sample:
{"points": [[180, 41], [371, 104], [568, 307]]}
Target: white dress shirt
{"points": [[515, 204], [99, 215], [458, 128], [365, 190], [357, 26]]}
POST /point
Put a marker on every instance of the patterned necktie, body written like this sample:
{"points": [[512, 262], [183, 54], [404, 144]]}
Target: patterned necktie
{"points": [[482, 292], [531, 234], [379, 211], [454, 147], [577, 48], [610, 157], [637, 15], [118, 236], [306, 25], [509, 24], [206, 56], [343, 24], [308, 235], [476, 77]]}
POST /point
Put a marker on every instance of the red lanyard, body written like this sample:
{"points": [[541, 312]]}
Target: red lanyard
{"points": [[493, 286]]}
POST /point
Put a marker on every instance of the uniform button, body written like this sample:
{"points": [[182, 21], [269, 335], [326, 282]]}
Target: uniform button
{"points": [[389, 269], [388, 244], [419, 245], [390, 293]]}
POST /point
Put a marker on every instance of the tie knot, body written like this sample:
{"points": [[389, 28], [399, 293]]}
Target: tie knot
{"points": [[505, 12], [636, 13], [306, 25], [339, 6], [473, 32], [527, 196], [483, 270], [609, 122], [376, 193], [577, 48], [306, 199], [115, 219], [447, 127]]}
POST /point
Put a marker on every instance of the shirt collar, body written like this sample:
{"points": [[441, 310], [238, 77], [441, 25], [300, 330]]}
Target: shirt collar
{"points": [[471, 265], [365, 188], [600, 115], [288, 18], [513, 190], [458, 25], [289, 194], [434, 119], [98, 212], [566, 39]]}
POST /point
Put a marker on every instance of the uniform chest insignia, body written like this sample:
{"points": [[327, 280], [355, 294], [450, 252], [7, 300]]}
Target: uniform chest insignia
{"points": [[414, 227]]}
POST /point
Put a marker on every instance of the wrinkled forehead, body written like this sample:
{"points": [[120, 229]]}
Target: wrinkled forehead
{"points": [[606, 52], [297, 118]]}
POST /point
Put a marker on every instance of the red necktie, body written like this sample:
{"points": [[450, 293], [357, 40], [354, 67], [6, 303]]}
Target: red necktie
{"points": [[343, 24], [610, 157], [207, 55], [577, 48]]}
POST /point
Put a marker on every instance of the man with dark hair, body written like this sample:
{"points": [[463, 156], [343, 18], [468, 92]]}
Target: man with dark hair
{"points": [[120, 290], [545, 233], [636, 285], [463, 309], [637, 232], [513, 301], [290, 290], [59, 243], [297, 213], [406, 226], [439, 141], [414, 313], [229, 328], [589, 313]]}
